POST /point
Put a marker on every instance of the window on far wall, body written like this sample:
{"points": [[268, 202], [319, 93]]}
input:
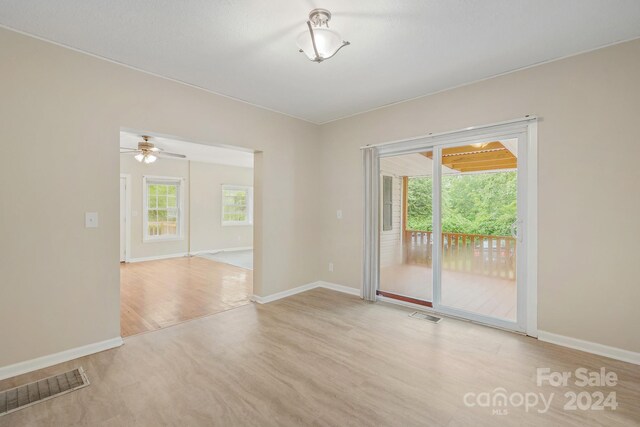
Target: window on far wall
{"points": [[387, 203], [237, 205], [162, 208]]}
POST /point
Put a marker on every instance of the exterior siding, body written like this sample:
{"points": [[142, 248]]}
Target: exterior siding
{"points": [[391, 240]]}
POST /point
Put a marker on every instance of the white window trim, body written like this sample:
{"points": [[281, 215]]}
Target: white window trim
{"points": [[146, 238], [249, 190]]}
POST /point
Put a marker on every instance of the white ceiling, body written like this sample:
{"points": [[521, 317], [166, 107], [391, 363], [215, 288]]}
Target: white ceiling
{"points": [[193, 151], [400, 49]]}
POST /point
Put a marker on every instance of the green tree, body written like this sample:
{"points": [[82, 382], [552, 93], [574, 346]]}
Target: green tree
{"points": [[471, 203]]}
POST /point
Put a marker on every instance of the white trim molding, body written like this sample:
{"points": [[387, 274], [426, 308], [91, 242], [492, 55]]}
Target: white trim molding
{"points": [[319, 284], [216, 251], [339, 288], [185, 254], [531, 231], [157, 257], [127, 191], [590, 347], [56, 358]]}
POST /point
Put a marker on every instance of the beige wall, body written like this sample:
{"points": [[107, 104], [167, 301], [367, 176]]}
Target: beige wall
{"points": [[61, 113], [202, 201], [60, 117], [589, 274], [206, 207]]}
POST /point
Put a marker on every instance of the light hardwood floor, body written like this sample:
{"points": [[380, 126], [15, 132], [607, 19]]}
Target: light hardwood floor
{"points": [[157, 294], [322, 358]]}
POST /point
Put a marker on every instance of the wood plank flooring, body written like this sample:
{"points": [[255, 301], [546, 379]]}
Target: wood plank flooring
{"points": [[157, 294], [327, 359]]}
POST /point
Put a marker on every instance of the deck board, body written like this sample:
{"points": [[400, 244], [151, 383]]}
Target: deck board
{"points": [[491, 296]]}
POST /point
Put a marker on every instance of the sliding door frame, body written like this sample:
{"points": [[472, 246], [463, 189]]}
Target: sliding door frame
{"points": [[520, 323], [527, 280]]}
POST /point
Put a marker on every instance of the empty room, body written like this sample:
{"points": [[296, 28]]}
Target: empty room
{"points": [[367, 213], [186, 231]]}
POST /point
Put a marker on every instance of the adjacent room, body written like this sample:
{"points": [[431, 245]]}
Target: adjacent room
{"points": [[186, 231], [319, 213]]}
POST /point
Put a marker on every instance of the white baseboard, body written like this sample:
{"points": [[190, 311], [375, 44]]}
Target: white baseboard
{"points": [[183, 254], [157, 257], [215, 251], [340, 288], [283, 294], [320, 284], [53, 359], [590, 347]]}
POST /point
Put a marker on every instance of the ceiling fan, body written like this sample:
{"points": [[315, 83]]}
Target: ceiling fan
{"points": [[147, 152]]}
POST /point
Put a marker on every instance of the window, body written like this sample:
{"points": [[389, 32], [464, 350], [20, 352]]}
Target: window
{"points": [[162, 208], [237, 205], [387, 203]]}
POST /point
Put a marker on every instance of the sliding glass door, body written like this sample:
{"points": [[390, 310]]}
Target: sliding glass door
{"points": [[406, 230], [452, 221], [481, 212]]}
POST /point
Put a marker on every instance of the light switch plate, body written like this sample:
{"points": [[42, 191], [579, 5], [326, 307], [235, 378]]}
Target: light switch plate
{"points": [[91, 219], [339, 214]]}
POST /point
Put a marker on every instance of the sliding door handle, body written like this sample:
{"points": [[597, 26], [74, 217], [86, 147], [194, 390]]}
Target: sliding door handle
{"points": [[515, 230]]}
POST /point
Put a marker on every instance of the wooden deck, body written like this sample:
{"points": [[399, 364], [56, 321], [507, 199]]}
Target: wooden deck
{"points": [[479, 254], [157, 294], [477, 293]]}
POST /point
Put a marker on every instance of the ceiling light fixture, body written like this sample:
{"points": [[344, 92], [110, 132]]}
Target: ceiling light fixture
{"points": [[320, 43], [147, 152], [149, 158], [145, 158]]}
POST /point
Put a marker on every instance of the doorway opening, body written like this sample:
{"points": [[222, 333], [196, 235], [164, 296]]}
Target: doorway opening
{"points": [[452, 226], [186, 231]]}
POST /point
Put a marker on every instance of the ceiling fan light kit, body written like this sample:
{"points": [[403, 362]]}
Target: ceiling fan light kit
{"points": [[147, 152], [319, 43], [145, 158]]}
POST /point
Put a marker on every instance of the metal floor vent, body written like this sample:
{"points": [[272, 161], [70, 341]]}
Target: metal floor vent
{"points": [[38, 391], [423, 316]]}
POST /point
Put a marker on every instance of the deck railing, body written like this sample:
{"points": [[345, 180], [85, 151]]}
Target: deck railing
{"points": [[474, 253], [163, 227]]}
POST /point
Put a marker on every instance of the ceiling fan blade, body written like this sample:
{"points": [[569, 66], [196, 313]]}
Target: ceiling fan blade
{"points": [[128, 150], [163, 153]]}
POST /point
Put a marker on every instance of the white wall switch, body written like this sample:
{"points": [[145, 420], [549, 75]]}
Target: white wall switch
{"points": [[331, 267], [91, 219], [339, 213]]}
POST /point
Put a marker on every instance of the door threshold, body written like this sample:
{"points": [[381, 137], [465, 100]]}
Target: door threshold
{"points": [[430, 309], [404, 298]]}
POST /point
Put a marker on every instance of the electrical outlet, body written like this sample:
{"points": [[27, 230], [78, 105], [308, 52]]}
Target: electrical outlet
{"points": [[91, 219], [339, 214], [331, 267]]}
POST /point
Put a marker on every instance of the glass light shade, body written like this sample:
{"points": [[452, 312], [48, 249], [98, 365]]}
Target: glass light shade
{"points": [[479, 145], [327, 43], [150, 158], [139, 157]]}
